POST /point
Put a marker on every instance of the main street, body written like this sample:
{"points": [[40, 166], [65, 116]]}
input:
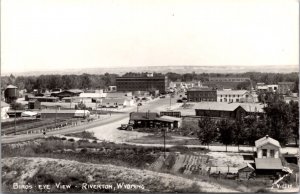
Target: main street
{"points": [[106, 127]]}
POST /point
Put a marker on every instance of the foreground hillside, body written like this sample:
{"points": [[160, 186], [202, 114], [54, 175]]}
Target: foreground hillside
{"points": [[28, 173]]}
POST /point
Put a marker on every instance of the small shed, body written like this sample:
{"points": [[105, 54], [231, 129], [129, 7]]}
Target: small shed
{"points": [[245, 171], [34, 104]]}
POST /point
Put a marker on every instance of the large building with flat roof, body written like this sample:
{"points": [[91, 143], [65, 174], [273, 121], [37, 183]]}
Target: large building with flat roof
{"points": [[201, 94], [148, 83]]}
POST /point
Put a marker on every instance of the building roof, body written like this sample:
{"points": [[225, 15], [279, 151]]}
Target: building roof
{"points": [[246, 165], [4, 104], [200, 89], [268, 163], [168, 119], [231, 92], [265, 140], [113, 100], [143, 115], [91, 95], [42, 97], [216, 106], [11, 86], [249, 107], [75, 91], [118, 94], [252, 107]]}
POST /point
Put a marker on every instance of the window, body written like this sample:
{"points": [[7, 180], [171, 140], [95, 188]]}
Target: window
{"points": [[221, 96], [264, 152], [220, 100], [272, 153]]}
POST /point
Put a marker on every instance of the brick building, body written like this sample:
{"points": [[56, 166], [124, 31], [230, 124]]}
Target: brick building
{"points": [[201, 94], [142, 83]]}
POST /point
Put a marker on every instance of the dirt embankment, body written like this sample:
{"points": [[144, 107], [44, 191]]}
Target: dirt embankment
{"points": [[87, 177]]}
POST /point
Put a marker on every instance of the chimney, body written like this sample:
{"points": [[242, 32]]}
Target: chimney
{"points": [[267, 136]]}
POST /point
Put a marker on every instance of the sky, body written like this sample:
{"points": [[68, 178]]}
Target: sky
{"points": [[38, 35]]}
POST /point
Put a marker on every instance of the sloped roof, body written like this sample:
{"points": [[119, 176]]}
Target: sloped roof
{"points": [[249, 107], [245, 165], [4, 104], [216, 106], [268, 163], [265, 140], [231, 92], [143, 115], [252, 107]]}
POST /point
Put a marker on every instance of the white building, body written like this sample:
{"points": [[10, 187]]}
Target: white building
{"points": [[4, 109], [267, 88], [233, 95]]}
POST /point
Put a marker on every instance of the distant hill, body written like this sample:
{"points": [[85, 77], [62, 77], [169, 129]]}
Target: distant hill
{"points": [[166, 69]]}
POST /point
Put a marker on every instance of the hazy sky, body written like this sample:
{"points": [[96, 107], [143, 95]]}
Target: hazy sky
{"points": [[62, 34]]}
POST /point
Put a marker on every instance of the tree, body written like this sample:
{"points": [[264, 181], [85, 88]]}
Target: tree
{"points": [[279, 119], [17, 106], [238, 133], [226, 132], [207, 131], [294, 124]]}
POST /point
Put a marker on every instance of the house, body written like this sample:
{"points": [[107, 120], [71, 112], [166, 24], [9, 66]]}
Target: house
{"points": [[245, 171], [268, 153], [4, 109], [143, 119], [67, 93]]}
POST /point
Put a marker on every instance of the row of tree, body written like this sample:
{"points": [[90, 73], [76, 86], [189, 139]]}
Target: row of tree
{"points": [[84, 81], [92, 81], [281, 122]]}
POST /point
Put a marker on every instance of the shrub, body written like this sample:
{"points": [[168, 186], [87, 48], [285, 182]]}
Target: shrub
{"points": [[71, 140], [63, 138]]}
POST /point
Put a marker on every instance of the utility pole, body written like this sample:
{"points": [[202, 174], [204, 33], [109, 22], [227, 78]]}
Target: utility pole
{"points": [[164, 143], [55, 116], [15, 128]]}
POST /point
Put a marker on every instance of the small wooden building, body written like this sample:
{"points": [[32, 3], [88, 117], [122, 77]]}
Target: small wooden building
{"points": [[34, 104], [245, 171]]}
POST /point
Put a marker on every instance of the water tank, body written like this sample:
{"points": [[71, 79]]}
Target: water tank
{"points": [[11, 93]]}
